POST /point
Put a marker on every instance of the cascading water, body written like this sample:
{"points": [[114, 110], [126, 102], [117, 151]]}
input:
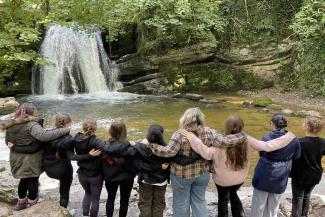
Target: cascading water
{"points": [[78, 64]]}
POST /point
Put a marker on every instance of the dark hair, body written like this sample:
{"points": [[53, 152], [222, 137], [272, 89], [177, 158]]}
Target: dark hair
{"points": [[62, 119], [89, 126], [155, 134], [25, 110], [118, 131], [237, 155], [279, 120]]}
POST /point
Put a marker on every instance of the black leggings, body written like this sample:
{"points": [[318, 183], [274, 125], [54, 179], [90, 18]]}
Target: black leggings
{"points": [[125, 192], [300, 198], [30, 186], [65, 184], [224, 195]]}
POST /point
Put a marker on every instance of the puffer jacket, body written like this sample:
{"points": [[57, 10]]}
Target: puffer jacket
{"points": [[273, 168], [22, 134]]}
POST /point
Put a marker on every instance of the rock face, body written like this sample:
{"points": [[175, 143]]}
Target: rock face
{"points": [[8, 105], [8, 184], [42, 209], [262, 61]]}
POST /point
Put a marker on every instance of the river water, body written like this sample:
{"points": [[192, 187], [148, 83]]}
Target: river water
{"points": [[140, 111]]}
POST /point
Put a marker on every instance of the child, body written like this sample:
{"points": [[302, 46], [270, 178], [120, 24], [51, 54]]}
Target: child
{"points": [[307, 170], [231, 164], [272, 171]]}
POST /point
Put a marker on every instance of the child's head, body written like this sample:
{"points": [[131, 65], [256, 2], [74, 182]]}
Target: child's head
{"points": [[313, 124], [234, 124], [62, 120], [118, 131], [237, 155], [279, 121], [89, 126], [156, 134]]}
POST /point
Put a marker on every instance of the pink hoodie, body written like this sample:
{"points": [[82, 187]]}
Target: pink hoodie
{"points": [[225, 176]]}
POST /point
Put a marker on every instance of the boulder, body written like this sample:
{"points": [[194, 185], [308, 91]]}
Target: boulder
{"points": [[304, 113], [8, 105], [262, 102], [154, 86], [287, 111], [8, 184], [274, 107], [4, 210], [247, 104], [44, 208], [190, 96]]}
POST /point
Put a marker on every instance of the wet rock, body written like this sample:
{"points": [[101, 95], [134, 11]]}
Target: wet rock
{"points": [[247, 104], [304, 113], [266, 110], [287, 111], [44, 208], [274, 107], [208, 101], [262, 102], [8, 184], [8, 105], [190, 96], [154, 86]]}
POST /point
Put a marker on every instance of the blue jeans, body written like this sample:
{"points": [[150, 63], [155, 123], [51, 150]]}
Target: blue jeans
{"points": [[190, 193]]}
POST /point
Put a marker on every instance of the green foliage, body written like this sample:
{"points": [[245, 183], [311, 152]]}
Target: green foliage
{"points": [[220, 77], [19, 33], [309, 28]]}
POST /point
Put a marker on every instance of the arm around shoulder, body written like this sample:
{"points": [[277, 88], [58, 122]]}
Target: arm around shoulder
{"points": [[271, 145], [43, 135]]}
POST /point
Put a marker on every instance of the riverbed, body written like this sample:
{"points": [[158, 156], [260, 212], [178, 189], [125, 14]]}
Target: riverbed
{"points": [[140, 111]]}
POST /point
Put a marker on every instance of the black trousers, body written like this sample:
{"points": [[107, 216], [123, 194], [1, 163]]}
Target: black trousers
{"points": [[65, 184], [30, 186], [224, 195], [125, 192], [300, 198]]}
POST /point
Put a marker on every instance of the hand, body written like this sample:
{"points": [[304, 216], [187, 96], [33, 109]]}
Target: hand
{"points": [[10, 145], [145, 141], [187, 134], [164, 166], [95, 152], [132, 142]]}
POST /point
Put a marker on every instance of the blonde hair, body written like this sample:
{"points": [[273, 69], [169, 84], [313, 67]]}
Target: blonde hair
{"points": [[89, 126], [192, 119], [314, 124]]}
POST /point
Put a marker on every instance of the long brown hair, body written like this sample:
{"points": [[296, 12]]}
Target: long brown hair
{"points": [[237, 155], [62, 119], [89, 126], [118, 131]]}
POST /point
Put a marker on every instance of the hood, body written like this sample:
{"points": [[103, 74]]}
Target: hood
{"points": [[277, 133]]}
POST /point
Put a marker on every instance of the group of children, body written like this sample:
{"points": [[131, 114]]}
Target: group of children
{"points": [[116, 162]]}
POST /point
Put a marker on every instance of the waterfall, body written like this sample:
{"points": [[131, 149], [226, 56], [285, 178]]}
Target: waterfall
{"points": [[78, 63]]}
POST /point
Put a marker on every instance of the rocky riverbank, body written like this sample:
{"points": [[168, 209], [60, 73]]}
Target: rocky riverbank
{"points": [[49, 199], [291, 99]]}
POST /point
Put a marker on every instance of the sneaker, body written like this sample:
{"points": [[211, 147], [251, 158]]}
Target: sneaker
{"points": [[32, 202], [21, 204]]}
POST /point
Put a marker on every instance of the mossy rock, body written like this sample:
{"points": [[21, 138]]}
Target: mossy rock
{"points": [[262, 102]]}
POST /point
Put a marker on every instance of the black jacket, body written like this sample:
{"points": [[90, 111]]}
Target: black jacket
{"points": [[150, 165], [118, 165]]}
